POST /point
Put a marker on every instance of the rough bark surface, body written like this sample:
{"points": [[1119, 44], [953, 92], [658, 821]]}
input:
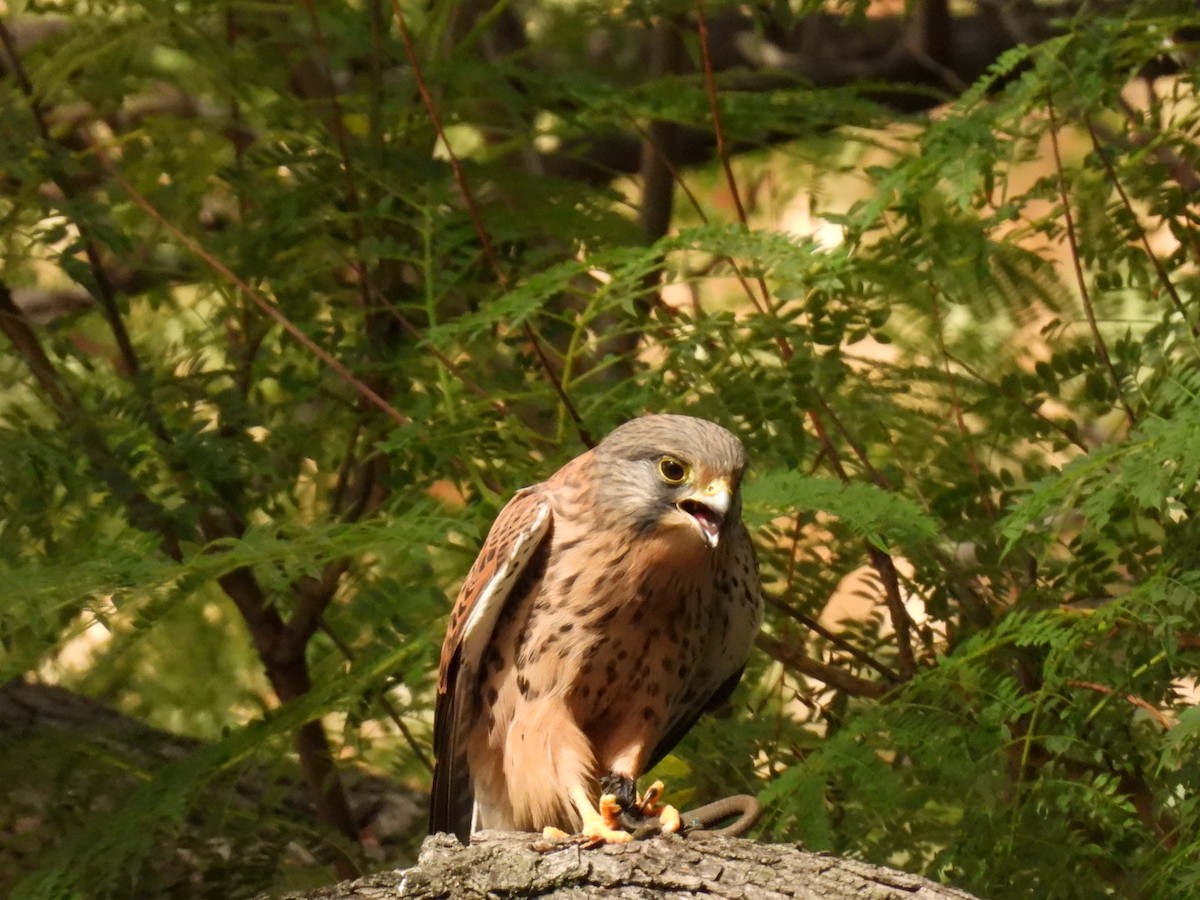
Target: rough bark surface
{"points": [[520, 865]]}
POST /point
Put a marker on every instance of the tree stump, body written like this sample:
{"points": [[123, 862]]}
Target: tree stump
{"points": [[499, 865]]}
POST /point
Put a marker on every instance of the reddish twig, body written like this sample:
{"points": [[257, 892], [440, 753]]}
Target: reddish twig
{"points": [[144, 513], [481, 231], [897, 611], [882, 563], [877, 477], [1181, 171], [338, 127], [678, 178], [1133, 699], [710, 86], [1028, 407], [258, 299], [447, 363]]}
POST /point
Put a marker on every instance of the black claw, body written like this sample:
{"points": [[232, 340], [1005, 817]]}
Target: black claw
{"points": [[621, 787], [625, 790]]}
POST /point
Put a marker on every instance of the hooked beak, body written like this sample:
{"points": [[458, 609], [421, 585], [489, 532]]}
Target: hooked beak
{"points": [[707, 508]]}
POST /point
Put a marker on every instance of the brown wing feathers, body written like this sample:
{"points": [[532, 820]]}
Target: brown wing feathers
{"points": [[451, 801], [514, 537]]}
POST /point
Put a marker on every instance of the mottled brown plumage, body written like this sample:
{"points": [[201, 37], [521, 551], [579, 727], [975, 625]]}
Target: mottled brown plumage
{"points": [[610, 606]]}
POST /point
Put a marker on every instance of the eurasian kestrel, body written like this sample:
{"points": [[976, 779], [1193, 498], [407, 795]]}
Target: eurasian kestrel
{"points": [[609, 608]]}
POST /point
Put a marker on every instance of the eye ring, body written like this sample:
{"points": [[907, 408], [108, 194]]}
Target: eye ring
{"points": [[672, 470]]}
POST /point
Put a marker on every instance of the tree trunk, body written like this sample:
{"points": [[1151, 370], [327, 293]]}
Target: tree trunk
{"points": [[522, 865]]}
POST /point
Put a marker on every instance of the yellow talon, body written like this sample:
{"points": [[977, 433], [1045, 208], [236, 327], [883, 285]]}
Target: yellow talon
{"points": [[604, 826], [669, 819], [610, 810]]}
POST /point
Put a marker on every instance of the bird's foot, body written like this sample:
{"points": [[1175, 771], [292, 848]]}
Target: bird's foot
{"points": [[600, 826], [644, 815], [604, 826]]}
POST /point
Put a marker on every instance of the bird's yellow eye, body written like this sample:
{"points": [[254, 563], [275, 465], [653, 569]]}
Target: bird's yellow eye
{"points": [[672, 470]]}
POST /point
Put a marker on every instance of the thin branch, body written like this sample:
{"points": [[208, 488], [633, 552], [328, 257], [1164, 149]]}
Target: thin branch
{"points": [[548, 367], [258, 299], [384, 701], [968, 441], [18, 71], [445, 361], [860, 452], [881, 561], [144, 513], [105, 293], [831, 454], [338, 127], [837, 640], [714, 104], [665, 158], [481, 231], [1188, 642], [16, 328], [1030, 408], [839, 679], [1085, 296], [789, 580], [1181, 170], [1133, 699], [1159, 268], [897, 611], [345, 469]]}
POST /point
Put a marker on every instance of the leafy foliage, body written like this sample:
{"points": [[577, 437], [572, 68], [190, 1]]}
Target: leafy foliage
{"points": [[972, 412]]}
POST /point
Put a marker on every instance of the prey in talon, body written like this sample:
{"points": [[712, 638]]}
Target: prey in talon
{"points": [[609, 608], [642, 815]]}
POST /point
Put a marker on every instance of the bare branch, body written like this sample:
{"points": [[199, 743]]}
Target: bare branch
{"points": [[837, 640], [799, 661], [1132, 699]]}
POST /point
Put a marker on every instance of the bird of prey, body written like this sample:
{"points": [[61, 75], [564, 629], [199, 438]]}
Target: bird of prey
{"points": [[610, 607]]}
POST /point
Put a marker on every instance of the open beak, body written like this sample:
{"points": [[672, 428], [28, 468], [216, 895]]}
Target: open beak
{"points": [[708, 508]]}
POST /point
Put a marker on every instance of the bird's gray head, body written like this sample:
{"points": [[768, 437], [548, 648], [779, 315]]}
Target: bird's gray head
{"points": [[670, 471]]}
